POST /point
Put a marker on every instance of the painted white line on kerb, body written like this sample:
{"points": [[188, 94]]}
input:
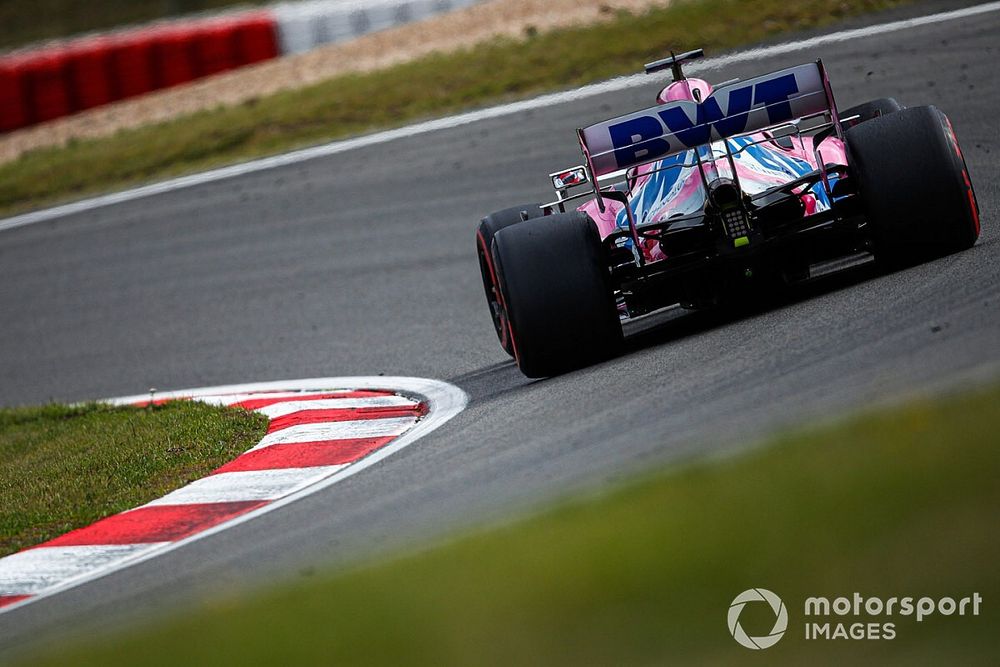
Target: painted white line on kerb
{"points": [[34, 570], [362, 428], [621, 83], [245, 485], [230, 399], [291, 407], [443, 402]]}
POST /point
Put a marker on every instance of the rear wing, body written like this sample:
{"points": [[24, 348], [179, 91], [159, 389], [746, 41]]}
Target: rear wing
{"points": [[739, 108]]}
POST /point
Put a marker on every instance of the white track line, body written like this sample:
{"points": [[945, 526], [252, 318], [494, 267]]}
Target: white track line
{"points": [[620, 83]]}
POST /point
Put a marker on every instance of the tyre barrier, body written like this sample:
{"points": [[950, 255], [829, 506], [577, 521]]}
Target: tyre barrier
{"points": [[47, 91], [13, 106], [50, 82], [87, 73]]}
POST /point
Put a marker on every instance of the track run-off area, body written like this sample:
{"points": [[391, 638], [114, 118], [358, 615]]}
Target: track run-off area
{"points": [[357, 259]]}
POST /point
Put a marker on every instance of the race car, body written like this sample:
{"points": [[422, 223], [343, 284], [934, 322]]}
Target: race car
{"points": [[713, 189]]}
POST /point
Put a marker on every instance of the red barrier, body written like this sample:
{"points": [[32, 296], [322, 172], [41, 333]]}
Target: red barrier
{"points": [[215, 47], [89, 69], [132, 64], [256, 38], [54, 82], [173, 57], [48, 92], [13, 100]]}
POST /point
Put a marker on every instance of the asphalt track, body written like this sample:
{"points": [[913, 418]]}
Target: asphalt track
{"points": [[363, 263]]}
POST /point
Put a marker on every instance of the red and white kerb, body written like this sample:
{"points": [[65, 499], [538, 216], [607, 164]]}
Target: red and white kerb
{"points": [[320, 431]]}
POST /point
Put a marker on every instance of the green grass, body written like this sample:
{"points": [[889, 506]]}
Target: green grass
{"points": [[901, 502], [23, 22], [431, 86], [65, 467]]}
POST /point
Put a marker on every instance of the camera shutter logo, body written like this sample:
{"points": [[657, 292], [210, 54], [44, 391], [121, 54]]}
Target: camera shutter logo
{"points": [[780, 621]]}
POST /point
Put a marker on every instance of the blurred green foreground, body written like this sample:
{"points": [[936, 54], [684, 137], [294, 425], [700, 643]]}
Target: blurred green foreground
{"points": [[902, 502]]}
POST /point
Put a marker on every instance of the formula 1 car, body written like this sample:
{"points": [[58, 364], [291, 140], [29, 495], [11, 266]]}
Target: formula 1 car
{"points": [[711, 190]]}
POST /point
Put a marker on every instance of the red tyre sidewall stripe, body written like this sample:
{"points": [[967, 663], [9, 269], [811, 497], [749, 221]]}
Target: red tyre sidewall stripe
{"points": [[503, 301], [488, 255], [970, 193]]}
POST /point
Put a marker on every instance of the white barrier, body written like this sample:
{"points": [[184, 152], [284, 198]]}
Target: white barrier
{"points": [[305, 25]]}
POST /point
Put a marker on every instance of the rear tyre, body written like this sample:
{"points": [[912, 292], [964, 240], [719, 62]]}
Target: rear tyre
{"points": [[883, 106], [555, 285], [914, 184], [488, 228]]}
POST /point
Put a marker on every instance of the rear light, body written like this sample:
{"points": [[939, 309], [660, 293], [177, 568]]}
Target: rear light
{"points": [[735, 223]]}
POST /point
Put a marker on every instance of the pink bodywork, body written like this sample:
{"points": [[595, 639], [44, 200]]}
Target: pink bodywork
{"points": [[681, 191]]}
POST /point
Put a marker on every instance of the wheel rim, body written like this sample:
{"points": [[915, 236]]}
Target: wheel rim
{"points": [[494, 299]]}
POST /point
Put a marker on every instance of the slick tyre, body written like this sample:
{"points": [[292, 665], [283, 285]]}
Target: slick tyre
{"points": [[914, 185], [555, 286], [487, 229]]}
